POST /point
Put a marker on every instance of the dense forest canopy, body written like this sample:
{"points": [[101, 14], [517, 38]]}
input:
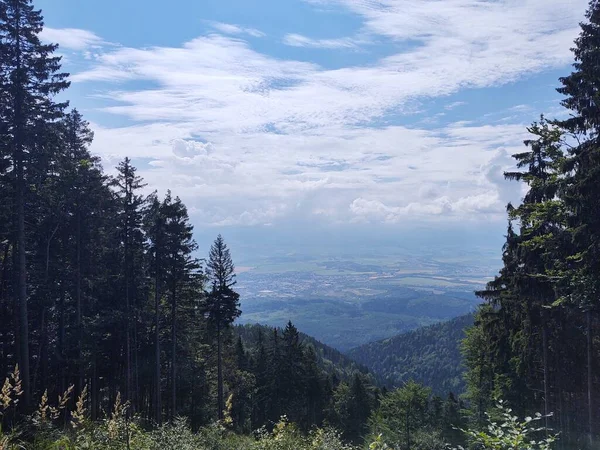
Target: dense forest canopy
{"points": [[112, 329], [429, 355]]}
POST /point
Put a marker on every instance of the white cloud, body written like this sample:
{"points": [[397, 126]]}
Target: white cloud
{"points": [[454, 105], [244, 137], [298, 40], [229, 28], [72, 38]]}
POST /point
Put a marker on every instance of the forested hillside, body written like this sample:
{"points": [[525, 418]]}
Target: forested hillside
{"points": [[535, 341], [332, 361], [103, 296], [429, 355]]}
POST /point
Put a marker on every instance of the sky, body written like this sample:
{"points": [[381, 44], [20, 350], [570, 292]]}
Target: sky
{"points": [[274, 117]]}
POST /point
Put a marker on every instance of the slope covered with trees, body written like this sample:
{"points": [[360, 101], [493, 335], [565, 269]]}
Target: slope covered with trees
{"points": [[429, 355], [102, 295], [535, 340], [330, 360]]}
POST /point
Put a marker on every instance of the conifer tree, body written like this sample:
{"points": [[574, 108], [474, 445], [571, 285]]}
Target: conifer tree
{"points": [[30, 79], [180, 270], [222, 303], [582, 190], [129, 221], [155, 229]]}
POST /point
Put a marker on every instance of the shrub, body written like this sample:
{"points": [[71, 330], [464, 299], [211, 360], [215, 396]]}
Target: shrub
{"points": [[511, 433]]}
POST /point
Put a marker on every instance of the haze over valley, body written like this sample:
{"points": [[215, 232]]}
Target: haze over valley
{"points": [[349, 296]]}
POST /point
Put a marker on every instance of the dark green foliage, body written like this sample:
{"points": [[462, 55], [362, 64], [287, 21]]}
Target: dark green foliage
{"points": [[29, 79], [535, 340], [222, 304], [410, 417], [331, 361], [429, 355], [295, 378]]}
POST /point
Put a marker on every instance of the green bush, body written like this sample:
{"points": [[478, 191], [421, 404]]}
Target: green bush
{"points": [[510, 433]]}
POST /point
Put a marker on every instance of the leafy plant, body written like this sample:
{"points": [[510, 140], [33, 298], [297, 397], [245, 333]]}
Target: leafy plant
{"points": [[510, 433]]}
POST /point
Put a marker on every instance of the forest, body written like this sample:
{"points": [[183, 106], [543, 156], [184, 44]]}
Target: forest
{"points": [[428, 355], [115, 334]]}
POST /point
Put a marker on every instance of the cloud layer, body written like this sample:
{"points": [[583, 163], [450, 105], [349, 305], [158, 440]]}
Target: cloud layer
{"points": [[246, 138]]}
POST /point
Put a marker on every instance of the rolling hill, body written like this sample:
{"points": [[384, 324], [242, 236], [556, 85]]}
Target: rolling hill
{"points": [[332, 361], [429, 355]]}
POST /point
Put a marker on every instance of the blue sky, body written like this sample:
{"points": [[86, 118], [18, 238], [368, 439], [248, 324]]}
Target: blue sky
{"points": [[283, 114]]}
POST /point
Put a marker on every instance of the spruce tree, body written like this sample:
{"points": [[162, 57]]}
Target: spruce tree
{"points": [[582, 190], [180, 270], [127, 185], [30, 79], [222, 303], [155, 229]]}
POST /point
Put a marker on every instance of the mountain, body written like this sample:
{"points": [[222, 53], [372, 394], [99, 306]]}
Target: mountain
{"points": [[429, 355], [329, 359]]}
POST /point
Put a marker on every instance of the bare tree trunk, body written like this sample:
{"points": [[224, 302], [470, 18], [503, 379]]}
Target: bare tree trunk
{"points": [[127, 300], [173, 352], [43, 327], [136, 382], [4, 271], [42, 345], [157, 402], [589, 377], [545, 362], [219, 374], [94, 388], [20, 223], [4, 350], [78, 306], [61, 344]]}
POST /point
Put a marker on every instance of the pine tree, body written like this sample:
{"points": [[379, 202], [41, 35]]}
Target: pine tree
{"points": [[28, 84]]}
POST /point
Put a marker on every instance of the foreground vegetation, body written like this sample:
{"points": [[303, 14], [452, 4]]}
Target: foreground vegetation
{"points": [[56, 426]]}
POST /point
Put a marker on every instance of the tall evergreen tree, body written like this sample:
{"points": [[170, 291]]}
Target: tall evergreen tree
{"points": [[127, 186], [30, 79], [180, 269], [222, 303], [582, 192], [155, 228]]}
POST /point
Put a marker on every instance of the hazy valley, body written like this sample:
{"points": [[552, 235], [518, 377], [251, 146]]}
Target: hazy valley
{"points": [[349, 301]]}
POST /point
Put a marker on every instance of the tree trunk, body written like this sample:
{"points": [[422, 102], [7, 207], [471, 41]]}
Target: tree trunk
{"points": [[94, 388], [43, 345], [4, 346], [589, 377], [545, 362], [4, 271], [20, 223], [219, 374], [157, 402], [78, 307], [173, 352], [127, 301], [61, 344]]}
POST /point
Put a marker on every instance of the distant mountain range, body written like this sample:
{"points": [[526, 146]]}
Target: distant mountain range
{"points": [[429, 355]]}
